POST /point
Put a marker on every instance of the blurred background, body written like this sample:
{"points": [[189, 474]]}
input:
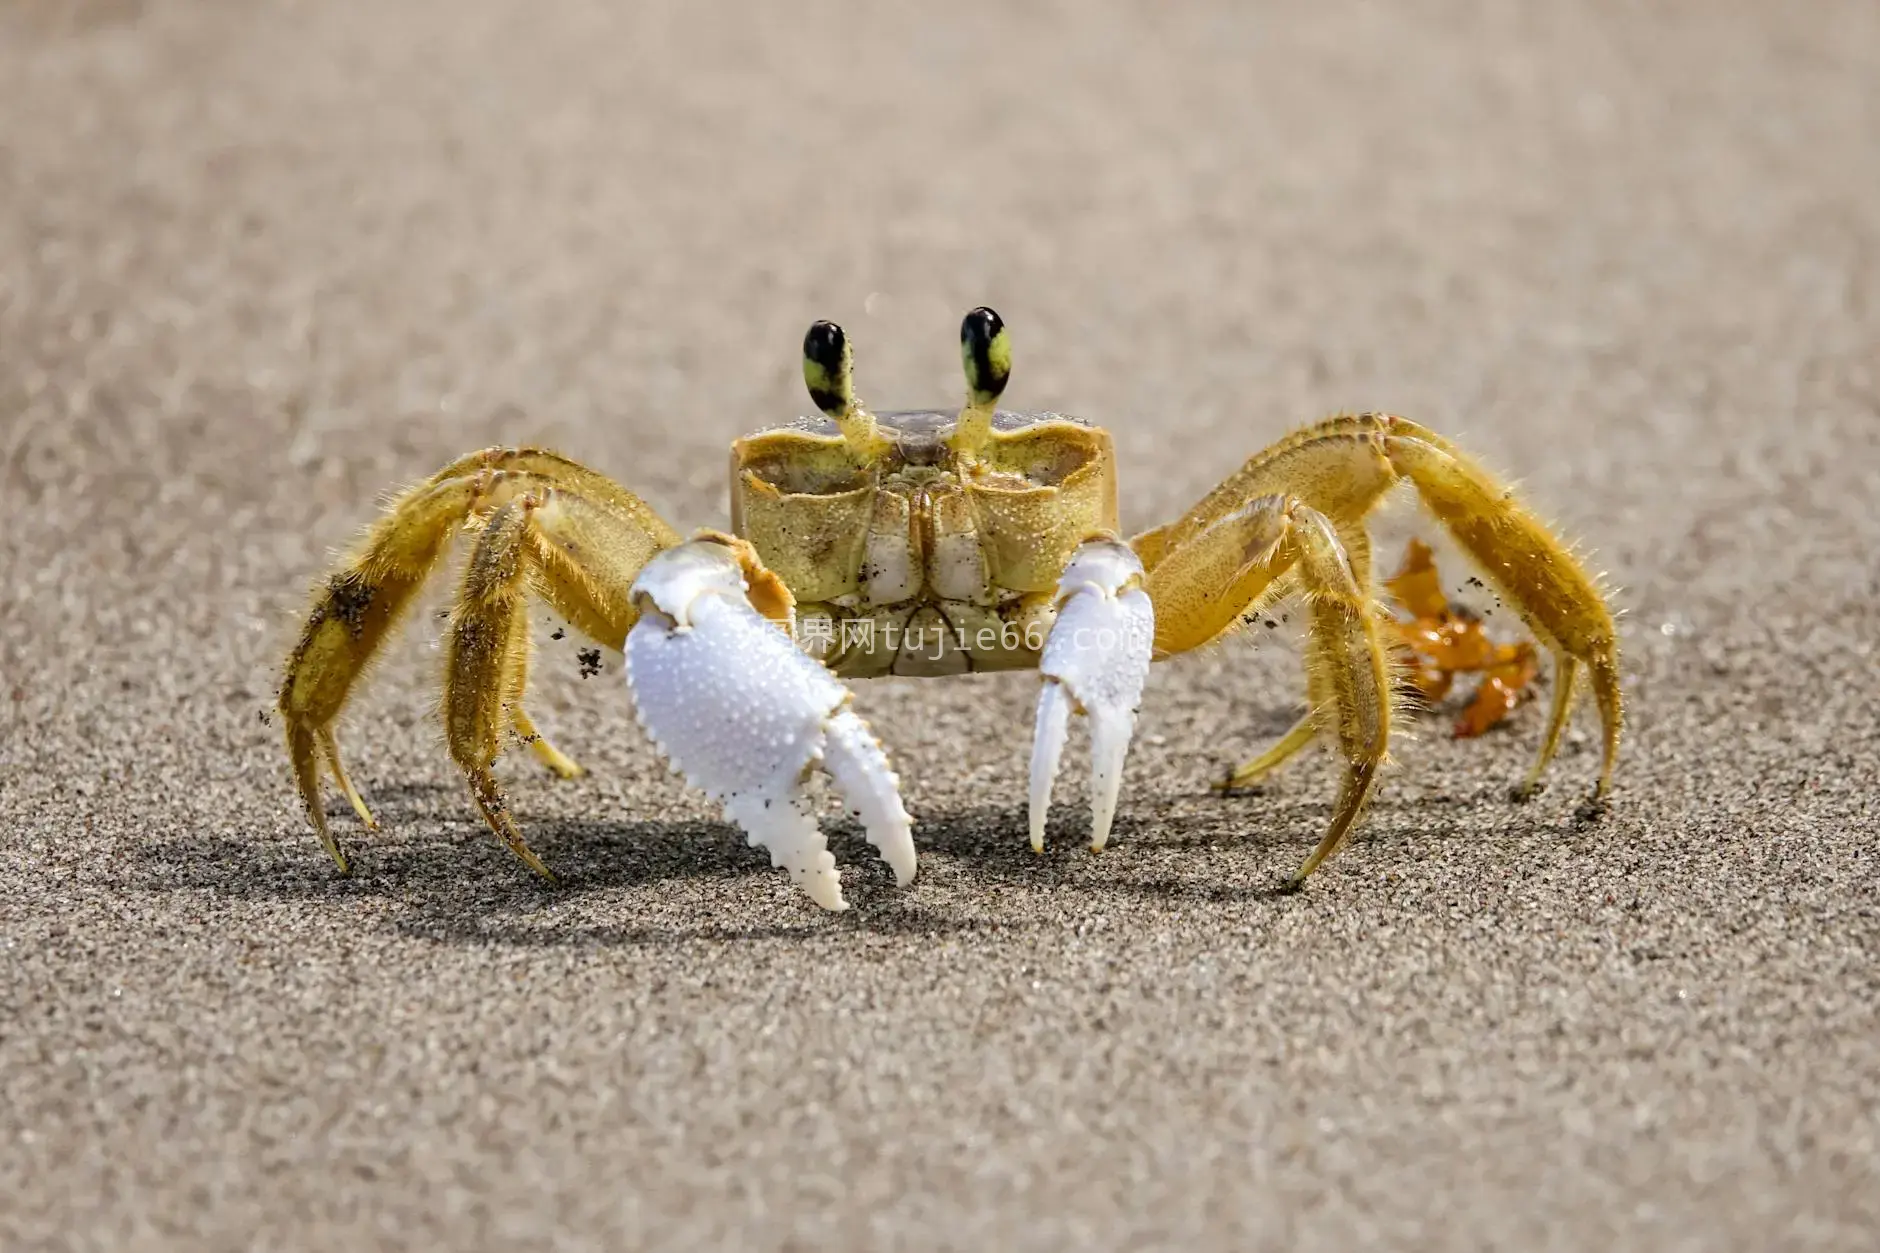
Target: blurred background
{"points": [[261, 262], [323, 246]]}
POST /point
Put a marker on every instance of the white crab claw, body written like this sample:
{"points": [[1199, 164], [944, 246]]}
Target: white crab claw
{"points": [[735, 707], [1095, 660]]}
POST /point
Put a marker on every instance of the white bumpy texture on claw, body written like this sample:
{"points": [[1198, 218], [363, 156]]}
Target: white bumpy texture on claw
{"points": [[1095, 660], [735, 707]]}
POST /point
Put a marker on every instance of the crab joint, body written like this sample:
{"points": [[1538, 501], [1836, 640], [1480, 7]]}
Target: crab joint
{"points": [[986, 353], [829, 373]]}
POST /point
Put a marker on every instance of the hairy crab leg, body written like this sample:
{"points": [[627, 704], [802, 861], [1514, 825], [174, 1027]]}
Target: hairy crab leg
{"points": [[1094, 663], [1206, 581], [359, 604], [733, 705], [1283, 750]]}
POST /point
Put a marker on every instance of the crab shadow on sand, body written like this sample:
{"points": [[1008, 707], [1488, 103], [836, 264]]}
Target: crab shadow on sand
{"points": [[445, 879]]}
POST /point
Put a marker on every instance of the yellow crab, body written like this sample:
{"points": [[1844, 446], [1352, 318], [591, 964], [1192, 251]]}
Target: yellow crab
{"points": [[919, 543]]}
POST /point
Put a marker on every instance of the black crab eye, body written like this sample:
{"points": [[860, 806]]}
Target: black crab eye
{"points": [[986, 352], [827, 368]]}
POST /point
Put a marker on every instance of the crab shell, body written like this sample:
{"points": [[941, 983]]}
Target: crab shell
{"points": [[924, 563]]}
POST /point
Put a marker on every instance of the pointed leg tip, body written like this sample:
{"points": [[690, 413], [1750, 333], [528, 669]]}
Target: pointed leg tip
{"points": [[1590, 811], [1240, 781], [334, 851], [555, 761], [1522, 793], [364, 811], [1310, 866]]}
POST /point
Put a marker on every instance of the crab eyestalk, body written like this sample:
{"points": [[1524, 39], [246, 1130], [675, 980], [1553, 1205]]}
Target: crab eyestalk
{"points": [[986, 352], [829, 373]]}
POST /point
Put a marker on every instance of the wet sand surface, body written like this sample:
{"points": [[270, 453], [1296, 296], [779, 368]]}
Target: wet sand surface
{"points": [[260, 263]]}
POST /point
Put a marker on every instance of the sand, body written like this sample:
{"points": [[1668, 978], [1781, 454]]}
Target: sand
{"points": [[260, 263]]}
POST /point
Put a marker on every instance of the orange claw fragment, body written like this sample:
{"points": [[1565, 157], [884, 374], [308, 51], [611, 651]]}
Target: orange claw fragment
{"points": [[1445, 640], [1416, 585], [1500, 691]]}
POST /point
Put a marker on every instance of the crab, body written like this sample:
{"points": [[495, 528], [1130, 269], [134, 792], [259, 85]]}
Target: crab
{"points": [[928, 543]]}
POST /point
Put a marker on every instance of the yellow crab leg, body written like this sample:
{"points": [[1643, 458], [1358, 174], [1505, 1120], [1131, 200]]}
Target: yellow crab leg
{"points": [[1283, 750], [551, 542], [486, 665], [353, 613], [358, 606], [1203, 584], [1536, 574], [1343, 467], [557, 761]]}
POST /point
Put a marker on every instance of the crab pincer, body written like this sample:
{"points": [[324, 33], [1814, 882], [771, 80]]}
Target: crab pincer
{"points": [[1095, 659], [745, 716]]}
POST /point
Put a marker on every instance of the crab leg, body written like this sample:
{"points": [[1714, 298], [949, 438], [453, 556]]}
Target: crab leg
{"points": [[1342, 468], [1243, 558], [550, 508], [745, 716], [1094, 663]]}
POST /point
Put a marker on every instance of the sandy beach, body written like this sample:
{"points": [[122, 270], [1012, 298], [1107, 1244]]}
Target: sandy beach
{"points": [[260, 264]]}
